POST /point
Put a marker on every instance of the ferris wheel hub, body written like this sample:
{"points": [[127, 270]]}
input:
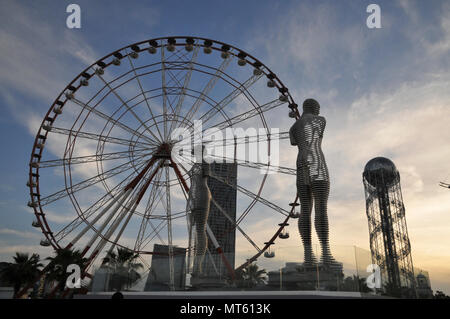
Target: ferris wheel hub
{"points": [[164, 151]]}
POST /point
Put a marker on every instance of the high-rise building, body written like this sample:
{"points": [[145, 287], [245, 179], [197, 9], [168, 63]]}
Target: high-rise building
{"points": [[159, 274], [223, 229], [389, 242]]}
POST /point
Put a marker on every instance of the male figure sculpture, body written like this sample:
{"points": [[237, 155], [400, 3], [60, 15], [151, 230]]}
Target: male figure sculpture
{"points": [[199, 199], [313, 182]]}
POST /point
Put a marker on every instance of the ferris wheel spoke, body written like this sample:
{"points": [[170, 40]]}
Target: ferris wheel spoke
{"points": [[159, 228], [244, 140], [256, 165], [94, 158], [89, 182], [229, 98], [148, 211], [176, 71], [252, 195], [133, 194], [175, 66], [92, 136], [169, 229], [112, 120], [187, 80], [208, 87], [100, 203], [234, 222], [109, 212], [144, 96], [158, 198], [179, 54], [249, 139], [156, 231], [235, 225], [189, 225], [140, 195], [249, 114], [170, 91], [91, 225], [163, 86], [125, 104], [146, 266], [166, 69]]}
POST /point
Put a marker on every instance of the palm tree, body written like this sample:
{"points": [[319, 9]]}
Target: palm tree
{"points": [[23, 271], [57, 268], [251, 276], [123, 266]]}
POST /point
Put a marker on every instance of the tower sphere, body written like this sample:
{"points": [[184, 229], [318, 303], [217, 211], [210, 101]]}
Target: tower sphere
{"points": [[380, 171]]}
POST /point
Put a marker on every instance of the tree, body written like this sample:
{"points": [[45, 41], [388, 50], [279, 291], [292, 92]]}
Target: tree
{"points": [[23, 271], [440, 295], [57, 268], [251, 276], [123, 266]]}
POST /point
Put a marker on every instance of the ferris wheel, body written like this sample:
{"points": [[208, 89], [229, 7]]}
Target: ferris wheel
{"points": [[102, 172]]}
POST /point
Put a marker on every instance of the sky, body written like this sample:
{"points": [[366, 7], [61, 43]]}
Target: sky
{"points": [[384, 92]]}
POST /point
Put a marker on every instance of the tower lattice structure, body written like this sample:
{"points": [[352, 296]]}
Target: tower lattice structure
{"points": [[389, 241]]}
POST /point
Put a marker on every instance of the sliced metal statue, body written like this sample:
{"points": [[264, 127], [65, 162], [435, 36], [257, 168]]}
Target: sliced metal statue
{"points": [[199, 202], [313, 183]]}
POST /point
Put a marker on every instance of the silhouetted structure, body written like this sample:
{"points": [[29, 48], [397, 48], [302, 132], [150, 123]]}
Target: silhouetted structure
{"points": [[389, 242], [423, 285], [445, 185]]}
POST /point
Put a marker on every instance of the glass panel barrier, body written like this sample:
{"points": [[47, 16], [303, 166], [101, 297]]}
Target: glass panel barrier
{"points": [[281, 269]]}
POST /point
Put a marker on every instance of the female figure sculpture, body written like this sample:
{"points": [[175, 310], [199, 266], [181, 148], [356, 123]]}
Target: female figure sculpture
{"points": [[199, 199]]}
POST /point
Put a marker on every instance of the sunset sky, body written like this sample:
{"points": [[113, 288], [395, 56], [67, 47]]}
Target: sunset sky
{"points": [[384, 92]]}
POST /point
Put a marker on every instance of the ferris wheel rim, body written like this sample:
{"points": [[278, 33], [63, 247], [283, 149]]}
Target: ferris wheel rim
{"points": [[34, 171]]}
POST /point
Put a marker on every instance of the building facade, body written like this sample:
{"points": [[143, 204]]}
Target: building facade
{"points": [[223, 229]]}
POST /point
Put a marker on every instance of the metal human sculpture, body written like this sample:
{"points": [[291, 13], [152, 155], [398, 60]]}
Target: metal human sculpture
{"points": [[199, 200], [313, 183]]}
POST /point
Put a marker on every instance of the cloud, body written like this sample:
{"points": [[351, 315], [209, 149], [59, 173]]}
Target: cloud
{"points": [[52, 216], [314, 38], [23, 234], [26, 69], [435, 39], [8, 250]]}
